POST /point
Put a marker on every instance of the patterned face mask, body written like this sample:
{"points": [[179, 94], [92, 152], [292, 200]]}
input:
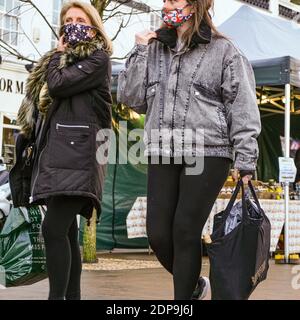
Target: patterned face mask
{"points": [[175, 18], [74, 33]]}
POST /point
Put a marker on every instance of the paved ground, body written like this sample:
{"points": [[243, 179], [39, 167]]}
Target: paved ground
{"points": [[153, 284]]}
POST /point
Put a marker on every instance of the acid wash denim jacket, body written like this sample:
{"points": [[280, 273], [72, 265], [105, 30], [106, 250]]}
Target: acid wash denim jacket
{"points": [[208, 86]]}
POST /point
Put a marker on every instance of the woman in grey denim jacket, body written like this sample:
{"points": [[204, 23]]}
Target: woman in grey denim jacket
{"points": [[198, 93]]}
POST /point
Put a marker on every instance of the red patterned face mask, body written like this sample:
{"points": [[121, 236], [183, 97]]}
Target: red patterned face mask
{"points": [[175, 18]]}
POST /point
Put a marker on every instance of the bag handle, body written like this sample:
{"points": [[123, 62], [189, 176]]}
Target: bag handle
{"points": [[254, 195], [37, 126], [30, 150], [234, 196], [240, 185], [244, 206]]}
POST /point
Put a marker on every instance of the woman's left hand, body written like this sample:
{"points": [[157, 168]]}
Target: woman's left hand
{"points": [[236, 175], [247, 178], [61, 46]]}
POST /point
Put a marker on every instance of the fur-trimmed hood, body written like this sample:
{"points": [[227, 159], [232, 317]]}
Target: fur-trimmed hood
{"points": [[37, 98]]}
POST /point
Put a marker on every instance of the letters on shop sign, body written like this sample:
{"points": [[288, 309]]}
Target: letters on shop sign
{"points": [[10, 86]]}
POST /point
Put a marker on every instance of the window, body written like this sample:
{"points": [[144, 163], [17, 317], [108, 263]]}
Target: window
{"points": [[263, 4], [57, 4], [9, 21], [288, 13], [2, 5], [9, 133], [155, 21]]}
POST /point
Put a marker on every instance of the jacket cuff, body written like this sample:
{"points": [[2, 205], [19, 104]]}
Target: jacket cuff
{"points": [[243, 163]]}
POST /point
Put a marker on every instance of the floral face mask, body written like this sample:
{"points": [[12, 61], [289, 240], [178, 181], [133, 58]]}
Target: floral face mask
{"points": [[75, 33], [175, 18]]}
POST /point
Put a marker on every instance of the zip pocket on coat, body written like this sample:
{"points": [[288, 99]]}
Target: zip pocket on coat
{"points": [[72, 130], [72, 147], [58, 125]]}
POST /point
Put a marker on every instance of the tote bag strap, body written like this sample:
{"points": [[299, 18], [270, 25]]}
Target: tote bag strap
{"points": [[239, 185], [245, 216], [254, 195], [234, 196]]}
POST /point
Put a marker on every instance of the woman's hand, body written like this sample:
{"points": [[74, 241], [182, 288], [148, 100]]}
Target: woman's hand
{"points": [[236, 174], [247, 178], [61, 46], [144, 37]]}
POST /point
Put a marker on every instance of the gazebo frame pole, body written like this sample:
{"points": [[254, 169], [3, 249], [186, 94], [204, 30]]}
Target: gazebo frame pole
{"points": [[287, 133]]}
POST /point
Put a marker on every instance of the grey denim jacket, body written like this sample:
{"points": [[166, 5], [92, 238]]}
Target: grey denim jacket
{"points": [[208, 86]]}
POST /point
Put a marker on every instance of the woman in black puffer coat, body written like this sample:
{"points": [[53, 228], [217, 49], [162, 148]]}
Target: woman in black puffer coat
{"points": [[70, 88]]}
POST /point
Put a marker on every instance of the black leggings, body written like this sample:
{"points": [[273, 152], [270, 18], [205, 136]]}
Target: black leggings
{"points": [[63, 257], [178, 206]]}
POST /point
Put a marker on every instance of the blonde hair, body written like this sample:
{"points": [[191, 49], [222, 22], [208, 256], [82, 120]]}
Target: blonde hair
{"points": [[95, 18], [201, 8]]}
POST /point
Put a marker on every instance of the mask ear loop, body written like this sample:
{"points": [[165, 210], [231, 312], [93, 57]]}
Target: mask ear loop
{"points": [[97, 31], [187, 5]]}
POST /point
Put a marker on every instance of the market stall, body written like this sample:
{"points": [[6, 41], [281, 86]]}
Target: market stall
{"points": [[274, 209], [273, 47]]}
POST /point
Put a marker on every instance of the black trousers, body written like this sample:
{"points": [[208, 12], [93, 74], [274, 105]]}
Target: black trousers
{"points": [[63, 259], [178, 206]]}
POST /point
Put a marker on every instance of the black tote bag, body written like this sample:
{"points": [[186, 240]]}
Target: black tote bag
{"points": [[239, 260]]}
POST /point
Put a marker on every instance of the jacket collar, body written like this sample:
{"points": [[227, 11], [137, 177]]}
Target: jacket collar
{"points": [[168, 36]]}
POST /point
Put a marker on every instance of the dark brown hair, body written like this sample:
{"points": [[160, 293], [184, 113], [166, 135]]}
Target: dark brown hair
{"points": [[201, 8]]}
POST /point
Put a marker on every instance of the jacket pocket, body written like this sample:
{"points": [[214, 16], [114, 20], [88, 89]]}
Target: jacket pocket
{"points": [[206, 93], [72, 146], [151, 93], [206, 111]]}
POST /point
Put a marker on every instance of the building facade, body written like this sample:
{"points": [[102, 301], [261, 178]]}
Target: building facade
{"points": [[25, 36], [286, 9]]}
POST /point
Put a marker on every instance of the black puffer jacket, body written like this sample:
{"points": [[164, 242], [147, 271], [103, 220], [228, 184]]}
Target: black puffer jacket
{"points": [[66, 163]]}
